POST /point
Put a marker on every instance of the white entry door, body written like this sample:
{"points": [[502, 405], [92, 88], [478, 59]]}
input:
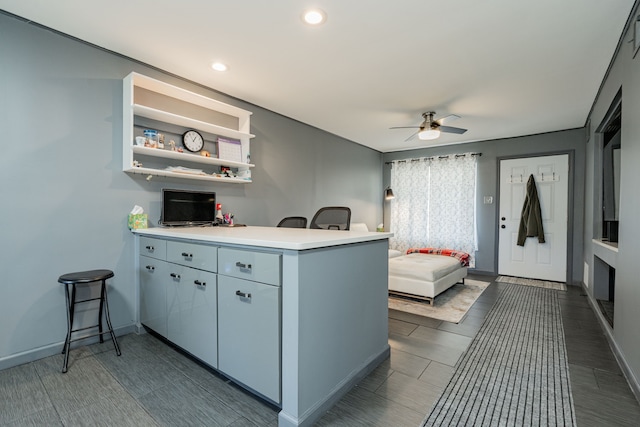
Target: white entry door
{"points": [[545, 261]]}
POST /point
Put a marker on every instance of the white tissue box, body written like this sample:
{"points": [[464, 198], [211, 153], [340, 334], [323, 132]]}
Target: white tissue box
{"points": [[137, 221]]}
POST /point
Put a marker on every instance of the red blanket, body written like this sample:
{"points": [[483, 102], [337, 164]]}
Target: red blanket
{"points": [[463, 257]]}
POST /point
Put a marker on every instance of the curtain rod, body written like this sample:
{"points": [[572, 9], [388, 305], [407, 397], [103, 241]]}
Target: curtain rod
{"points": [[417, 159]]}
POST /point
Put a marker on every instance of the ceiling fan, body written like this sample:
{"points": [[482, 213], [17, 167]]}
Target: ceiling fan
{"points": [[430, 128]]}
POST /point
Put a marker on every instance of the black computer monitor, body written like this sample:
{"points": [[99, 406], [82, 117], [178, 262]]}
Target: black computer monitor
{"points": [[183, 207]]}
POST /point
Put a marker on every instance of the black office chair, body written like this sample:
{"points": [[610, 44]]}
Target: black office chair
{"points": [[293, 222], [332, 218]]}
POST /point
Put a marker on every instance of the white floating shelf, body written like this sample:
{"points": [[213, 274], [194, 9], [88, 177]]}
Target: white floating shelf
{"points": [[186, 157], [175, 113], [161, 172], [175, 119]]}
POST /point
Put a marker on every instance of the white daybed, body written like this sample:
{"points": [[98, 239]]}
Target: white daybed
{"points": [[424, 275]]}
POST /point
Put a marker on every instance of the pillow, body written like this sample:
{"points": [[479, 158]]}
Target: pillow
{"points": [[358, 226], [463, 257]]}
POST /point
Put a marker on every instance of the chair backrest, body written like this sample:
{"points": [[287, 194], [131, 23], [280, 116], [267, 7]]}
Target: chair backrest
{"points": [[293, 222], [332, 218]]}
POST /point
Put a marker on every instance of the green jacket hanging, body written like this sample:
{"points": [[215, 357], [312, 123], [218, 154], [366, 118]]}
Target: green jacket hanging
{"points": [[531, 218]]}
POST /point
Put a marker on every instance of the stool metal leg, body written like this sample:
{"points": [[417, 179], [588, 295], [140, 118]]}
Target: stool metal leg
{"points": [[108, 319], [103, 295], [70, 309]]}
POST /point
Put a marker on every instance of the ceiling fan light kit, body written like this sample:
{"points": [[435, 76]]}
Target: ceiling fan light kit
{"points": [[428, 134], [430, 128]]}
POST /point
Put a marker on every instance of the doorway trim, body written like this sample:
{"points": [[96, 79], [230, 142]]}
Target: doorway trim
{"points": [[570, 206]]}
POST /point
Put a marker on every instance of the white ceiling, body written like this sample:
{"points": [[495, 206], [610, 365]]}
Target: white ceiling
{"points": [[508, 68]]}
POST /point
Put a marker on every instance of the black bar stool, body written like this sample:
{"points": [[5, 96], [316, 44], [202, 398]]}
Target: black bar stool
{"points": [[79, 278]]}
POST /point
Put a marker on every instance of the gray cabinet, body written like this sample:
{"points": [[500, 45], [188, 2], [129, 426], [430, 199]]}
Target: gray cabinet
{"points": [[192, 312], [220, 304], [249, 319], [153, 287], [178, 294], [249, 334], [153, 294]]}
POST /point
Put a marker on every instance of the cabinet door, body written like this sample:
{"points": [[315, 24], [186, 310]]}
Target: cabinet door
{"points": [[192, 312], [153, 294], [249, 334]]}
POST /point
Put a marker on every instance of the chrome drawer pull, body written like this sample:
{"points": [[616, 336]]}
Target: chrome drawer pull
{"points": [[186, 255], [174, 275], [243, 295], [150, 248], [199, 283], [243, 266], [150, 267]]}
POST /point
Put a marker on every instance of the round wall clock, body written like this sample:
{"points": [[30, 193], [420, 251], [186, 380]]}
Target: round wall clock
{"points": [[192, 141]]}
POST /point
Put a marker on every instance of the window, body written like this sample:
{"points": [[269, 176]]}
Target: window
{"points": [[434, 204]]}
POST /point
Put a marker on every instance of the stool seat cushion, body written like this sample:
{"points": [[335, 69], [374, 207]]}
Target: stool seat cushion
{"points": [[85, 276]]}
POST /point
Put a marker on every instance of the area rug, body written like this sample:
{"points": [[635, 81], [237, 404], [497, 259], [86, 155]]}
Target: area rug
{"points": [[515, 371], [547, 284], [451, 305]]}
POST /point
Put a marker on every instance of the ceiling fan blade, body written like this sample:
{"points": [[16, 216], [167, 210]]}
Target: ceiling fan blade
{"points": [[445, 119], [405, 127], [412, 136], [450, 129]]}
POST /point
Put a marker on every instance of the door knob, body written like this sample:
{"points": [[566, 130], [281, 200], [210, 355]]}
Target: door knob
{"points": [[503, 218], [503, 226]]}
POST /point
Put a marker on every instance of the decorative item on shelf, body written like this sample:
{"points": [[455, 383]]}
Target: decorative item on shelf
{"points": [[137, 164], [205, 153], [172, 145], [226, 172], [161, 140], [193, 141], [151, 136], [244, 174], [140, 140], [179, 150]]}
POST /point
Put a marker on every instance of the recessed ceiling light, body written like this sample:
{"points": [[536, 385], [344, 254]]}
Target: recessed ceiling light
{"points": [[219, 66], [314, 16]]}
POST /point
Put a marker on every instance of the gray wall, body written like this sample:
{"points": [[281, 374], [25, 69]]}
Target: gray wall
{"points": [[65, 198], [572, 141], [625, 74]]}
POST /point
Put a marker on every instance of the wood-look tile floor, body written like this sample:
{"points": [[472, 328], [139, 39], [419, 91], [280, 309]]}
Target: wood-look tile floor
{"points": [[152, 384]]}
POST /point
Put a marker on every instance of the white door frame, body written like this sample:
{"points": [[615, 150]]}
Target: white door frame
{"points": [[570, 207]]}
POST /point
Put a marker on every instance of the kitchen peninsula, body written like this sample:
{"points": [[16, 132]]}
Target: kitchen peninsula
{"points": [[298, 316]]}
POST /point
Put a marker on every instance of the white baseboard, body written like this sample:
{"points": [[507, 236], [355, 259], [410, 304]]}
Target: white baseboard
{"points": [[52, 349]]}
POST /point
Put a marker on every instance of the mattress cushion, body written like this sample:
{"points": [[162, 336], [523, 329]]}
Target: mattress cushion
{"points": [[423, 266]]}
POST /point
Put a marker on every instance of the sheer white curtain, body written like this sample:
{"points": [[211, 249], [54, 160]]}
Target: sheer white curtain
{"points": [[434, 203]]}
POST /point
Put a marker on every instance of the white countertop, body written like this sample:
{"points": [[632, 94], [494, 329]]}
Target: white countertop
{"points": [[267, 237]]}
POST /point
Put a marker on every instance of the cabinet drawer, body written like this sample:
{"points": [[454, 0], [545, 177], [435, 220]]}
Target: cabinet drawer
{"points": [[153, 248], [256, 266], [202, 257]]}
